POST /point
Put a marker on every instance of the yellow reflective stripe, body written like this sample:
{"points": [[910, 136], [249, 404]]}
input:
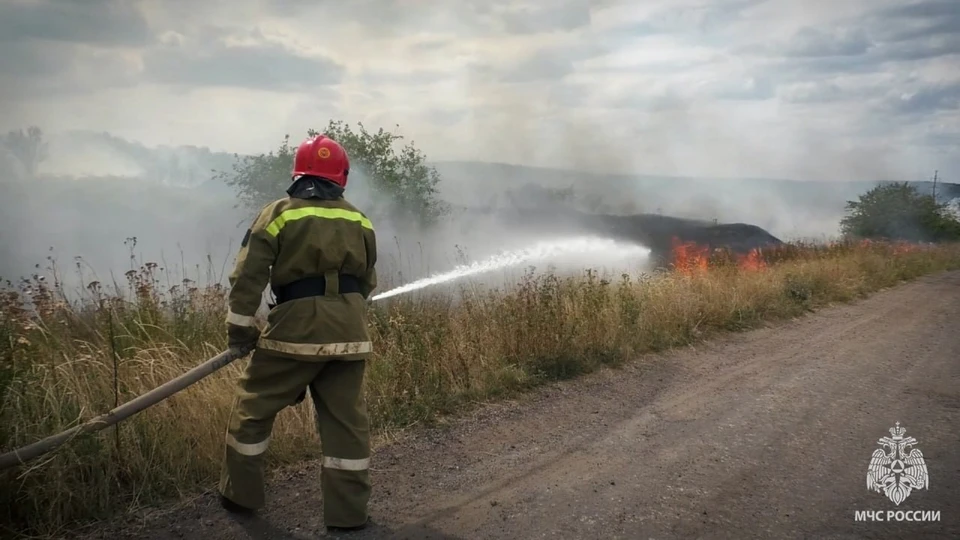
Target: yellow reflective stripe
{"points": [[316, 349], [286, 216], [346, 464], [239, 320], [247, 449]]}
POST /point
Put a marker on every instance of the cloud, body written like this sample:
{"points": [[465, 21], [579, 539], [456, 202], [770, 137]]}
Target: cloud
{"points": [[542, 65], [867, 41], [557, 16], [745, 87], [402, 77], [54, 48], [813, 42], [945, 141], [256, 62], [465, 18], [928, 99], [52, 70], [826, 91], [923, 18], [91, 22], [921, 48], [27, 60]]}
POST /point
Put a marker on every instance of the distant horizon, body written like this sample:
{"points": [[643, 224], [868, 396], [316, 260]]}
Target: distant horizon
{"points": [[433, 162], [624, 176]]}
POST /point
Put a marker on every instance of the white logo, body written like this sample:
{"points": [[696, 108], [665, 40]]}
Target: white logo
{"points": [[895, 472]]}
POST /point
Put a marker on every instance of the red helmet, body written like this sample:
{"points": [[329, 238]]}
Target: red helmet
{"points": [[324, 157]]}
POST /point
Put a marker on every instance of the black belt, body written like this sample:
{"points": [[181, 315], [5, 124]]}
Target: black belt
{"points": [[314, 286]]}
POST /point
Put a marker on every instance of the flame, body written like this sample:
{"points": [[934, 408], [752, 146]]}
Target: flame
{"points": [[900, 248], [752, 262], [688, 257]]}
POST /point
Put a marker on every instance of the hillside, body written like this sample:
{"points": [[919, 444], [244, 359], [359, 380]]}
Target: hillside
{"points": [[100, 154], [86, 153], [168, 199], [499, 176], [658, 232], [789, 209]]}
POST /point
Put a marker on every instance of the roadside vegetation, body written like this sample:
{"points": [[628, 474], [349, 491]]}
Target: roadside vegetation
{"points": [[65, 359]]}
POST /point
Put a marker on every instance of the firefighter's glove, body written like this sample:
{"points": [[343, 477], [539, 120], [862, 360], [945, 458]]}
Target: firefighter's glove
{"points": [[243, 338]]}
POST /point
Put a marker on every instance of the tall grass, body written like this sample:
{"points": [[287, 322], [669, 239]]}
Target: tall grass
{"points": [[63, 361]]}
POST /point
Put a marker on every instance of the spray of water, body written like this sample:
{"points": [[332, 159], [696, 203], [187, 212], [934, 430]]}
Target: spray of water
{"points": [[541, 251]]}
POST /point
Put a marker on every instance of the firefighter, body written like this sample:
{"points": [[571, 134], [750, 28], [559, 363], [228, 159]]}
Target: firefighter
{"points": [[317, 251]]}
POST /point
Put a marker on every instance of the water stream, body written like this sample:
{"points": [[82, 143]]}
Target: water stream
{"points": [[541, 251]]}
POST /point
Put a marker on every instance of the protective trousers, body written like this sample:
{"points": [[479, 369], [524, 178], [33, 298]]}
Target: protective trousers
{"points": [[269, 384]]}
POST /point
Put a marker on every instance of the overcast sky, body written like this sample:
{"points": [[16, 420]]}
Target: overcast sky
{"points": [[845, 89]]}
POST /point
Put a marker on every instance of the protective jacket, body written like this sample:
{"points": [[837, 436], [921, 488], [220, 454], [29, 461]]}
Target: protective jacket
{"points": [[318, 253]]}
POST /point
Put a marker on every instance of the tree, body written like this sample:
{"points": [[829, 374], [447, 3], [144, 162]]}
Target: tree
{"points": [[29, 148], [403, 177], [899, 212]]}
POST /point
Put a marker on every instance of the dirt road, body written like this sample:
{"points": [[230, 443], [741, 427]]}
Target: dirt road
{"points": [[765, 434]]}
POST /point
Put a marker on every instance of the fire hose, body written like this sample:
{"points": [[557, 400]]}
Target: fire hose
{"points": [[128, 409]]}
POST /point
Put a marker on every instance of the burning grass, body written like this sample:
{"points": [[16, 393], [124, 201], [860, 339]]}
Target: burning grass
{"points": [[63, 361]]}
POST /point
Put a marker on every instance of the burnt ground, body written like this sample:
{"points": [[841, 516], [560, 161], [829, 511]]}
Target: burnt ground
{"points": [[762, 434], [655, 231], [658, 232]]}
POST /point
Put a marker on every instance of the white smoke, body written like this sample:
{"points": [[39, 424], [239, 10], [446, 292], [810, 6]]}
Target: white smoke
{"points": [[953, 208]]}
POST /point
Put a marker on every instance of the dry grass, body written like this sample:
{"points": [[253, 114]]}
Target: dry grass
{"points": [[61, 361]]}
